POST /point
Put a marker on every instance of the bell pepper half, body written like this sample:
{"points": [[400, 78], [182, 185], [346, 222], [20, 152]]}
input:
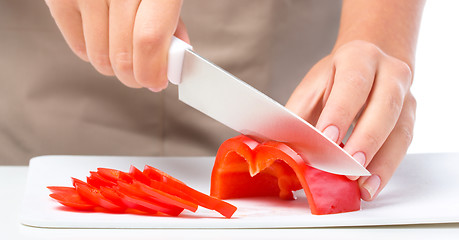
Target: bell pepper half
{"points": [[246, 168]]}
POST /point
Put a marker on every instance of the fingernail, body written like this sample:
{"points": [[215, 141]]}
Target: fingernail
{"points": [[353, 178], [370, 187], [332, 133], [159, 89], [360, 157]]}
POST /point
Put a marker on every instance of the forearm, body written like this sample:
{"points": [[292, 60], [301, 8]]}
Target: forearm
{"points": [[392, 25]]}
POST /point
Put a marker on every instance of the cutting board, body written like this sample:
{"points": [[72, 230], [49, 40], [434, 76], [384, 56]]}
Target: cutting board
{"points": [[423, 190]]}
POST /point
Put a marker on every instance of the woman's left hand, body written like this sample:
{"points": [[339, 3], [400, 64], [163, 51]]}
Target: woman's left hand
{"points": [[359, 83]]}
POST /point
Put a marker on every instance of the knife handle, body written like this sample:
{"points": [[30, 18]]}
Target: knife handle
{"points": [[175, 60]]}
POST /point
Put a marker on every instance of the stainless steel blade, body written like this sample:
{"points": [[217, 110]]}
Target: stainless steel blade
{"points": [[220, 95]]}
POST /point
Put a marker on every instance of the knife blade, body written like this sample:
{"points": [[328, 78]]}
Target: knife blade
{"points": [[234, 103]]}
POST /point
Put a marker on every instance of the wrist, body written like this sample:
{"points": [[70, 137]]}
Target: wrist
{"points": [[390, 25]]}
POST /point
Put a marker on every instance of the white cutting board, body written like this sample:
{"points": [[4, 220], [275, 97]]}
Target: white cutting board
{"points": [[423, 190]]}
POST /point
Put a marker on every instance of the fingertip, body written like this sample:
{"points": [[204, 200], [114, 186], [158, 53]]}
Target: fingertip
{"points": [[158, 88], [353, 178], [152, 79], [361, 159], [181, 32], [80, 51], [369, 187], [151, 72], [101, 62], [331, 132], [102, 69]]}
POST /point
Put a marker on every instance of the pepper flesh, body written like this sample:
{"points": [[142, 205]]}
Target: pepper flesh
{"points": [[246, 168]]}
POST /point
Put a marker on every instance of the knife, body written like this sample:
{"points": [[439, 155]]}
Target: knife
{"points": [[223, 97]]}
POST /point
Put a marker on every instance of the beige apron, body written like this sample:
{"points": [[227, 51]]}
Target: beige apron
{"points": [[53, 103]]}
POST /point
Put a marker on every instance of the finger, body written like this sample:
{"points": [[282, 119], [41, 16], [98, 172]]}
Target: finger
{"points": [[352, 84], [388, 158], [155, 23], [181, 32], [307, 99], [121, 28], [67, 16], [94, 15], [382, 111]]}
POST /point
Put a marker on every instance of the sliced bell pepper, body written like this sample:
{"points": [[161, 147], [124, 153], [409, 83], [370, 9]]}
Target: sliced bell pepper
{"points": [[114, 175], [164, 197], [68, 196], [141, 192], [139, 175], [93, 195], [112, 195], [96, 180], [133, 197], [173, 186], [246, 168]]}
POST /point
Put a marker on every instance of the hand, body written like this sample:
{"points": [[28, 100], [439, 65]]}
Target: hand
{"points": [[360, 83], [126, 38]]}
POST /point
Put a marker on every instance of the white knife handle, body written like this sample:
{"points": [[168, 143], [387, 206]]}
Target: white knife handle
{"points": [[175, 59]]}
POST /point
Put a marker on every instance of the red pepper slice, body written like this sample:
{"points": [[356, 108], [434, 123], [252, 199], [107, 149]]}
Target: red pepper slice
{"points": [[132, 195], [96, 180], [176, 187], [59, 189], [245, 168], [144, 184], [112, 195], [138, 175], [93, 195], [165, 197], [114, 175], [158, 175], [68, 196]]}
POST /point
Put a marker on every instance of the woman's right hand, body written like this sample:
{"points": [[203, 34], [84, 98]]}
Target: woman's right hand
{"points": [[126, 38]]}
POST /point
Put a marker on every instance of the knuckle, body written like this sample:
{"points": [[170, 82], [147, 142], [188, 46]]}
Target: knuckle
{"points": [[402, 70], [122, 62], [405, 132], [366, 54], [396, 95], [342, 113], [357, 80], [371, 50], [361, 46], [410, 100], [404, 128], [148, 39], [395, 101], [101, 62], [372, 141]]}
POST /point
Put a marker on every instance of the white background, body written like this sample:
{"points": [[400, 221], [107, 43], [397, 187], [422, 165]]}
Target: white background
{"points": [[436, 82]]}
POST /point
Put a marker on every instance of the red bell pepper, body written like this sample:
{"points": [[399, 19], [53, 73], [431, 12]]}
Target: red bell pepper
{"points": [[246, 168]]}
